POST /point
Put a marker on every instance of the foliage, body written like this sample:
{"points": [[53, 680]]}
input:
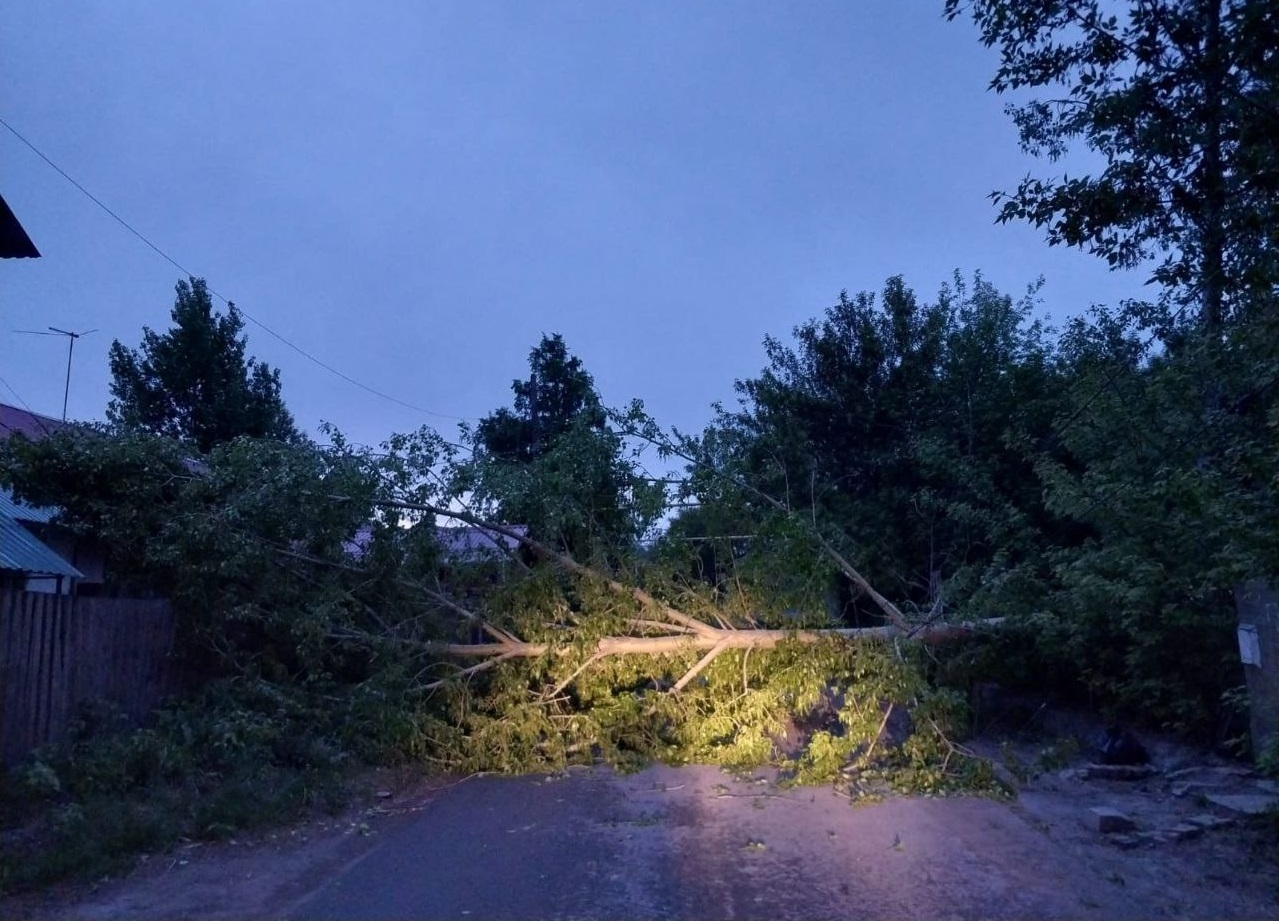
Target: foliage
{"points": [[898, 428], [947, 437], [194, 382], [953, 454], [770, 564], [1162, 458], [554, 464], [547, 713], [1181, 100], [240, 754], [325, 658], [558, 393], [1179, 505], [116, 490], [253, 544]]}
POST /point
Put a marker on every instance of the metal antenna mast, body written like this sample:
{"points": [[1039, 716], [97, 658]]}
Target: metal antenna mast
{"points": [[71, 338]]}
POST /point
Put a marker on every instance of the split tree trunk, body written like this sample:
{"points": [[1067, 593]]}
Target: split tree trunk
{"points": [[722, 639], [680, 632]]}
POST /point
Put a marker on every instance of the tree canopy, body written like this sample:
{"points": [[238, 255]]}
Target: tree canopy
{"points": [[1162, 447], [195, 382], [1181, 100], [897, 427], [558, 394], [554, 464]]}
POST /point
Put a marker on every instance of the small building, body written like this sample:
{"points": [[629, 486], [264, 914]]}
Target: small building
{"points": [[475, 544], [27, 563], [36, 553]]}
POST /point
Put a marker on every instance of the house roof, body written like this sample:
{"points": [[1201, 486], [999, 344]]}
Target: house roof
{"points": [[24, 422], [359, 542], [469, 543], [11, 507], [20, 549], [460, 543], [23, 551], [14, 242]]}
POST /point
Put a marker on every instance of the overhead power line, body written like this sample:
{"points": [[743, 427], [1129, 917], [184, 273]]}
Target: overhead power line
{"points": [[188, 273], [34, 415]]}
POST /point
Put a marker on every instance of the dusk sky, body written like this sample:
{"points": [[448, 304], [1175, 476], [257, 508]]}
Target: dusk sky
{"points": [[413, 192]]}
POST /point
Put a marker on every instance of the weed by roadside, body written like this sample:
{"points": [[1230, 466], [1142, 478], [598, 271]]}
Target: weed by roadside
{"points": [[242, 754], [1050, 757]]}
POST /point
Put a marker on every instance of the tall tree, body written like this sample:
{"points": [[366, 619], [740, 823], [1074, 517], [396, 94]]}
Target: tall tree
{"points": [[553, 463], [559, 393], [898, 423], [1175, 506], [1163, 453], [1181, 99], [195, 382]]}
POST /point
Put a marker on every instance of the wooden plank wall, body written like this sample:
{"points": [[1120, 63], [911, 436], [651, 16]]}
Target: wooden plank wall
{"points": [[57, 651]]}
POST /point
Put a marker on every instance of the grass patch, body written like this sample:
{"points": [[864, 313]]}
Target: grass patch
{"points": [[240, 755]]}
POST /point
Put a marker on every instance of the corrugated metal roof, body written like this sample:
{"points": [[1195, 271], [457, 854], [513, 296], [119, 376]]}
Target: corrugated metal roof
{"points": [[20, 511], [21, 550]]}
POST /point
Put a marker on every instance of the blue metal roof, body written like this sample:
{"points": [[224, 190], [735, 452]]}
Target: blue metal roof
{"points": [[20, 511], [23, 551]]}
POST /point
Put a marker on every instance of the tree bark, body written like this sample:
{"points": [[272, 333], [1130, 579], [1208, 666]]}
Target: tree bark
{"points": [[722, 638]]}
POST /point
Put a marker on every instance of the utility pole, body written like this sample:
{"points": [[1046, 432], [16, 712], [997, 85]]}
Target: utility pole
{"points": [[71, 338]]}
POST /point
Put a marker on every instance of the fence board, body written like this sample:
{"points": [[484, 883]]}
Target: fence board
{"points": [[58, 651], [8, 664]]}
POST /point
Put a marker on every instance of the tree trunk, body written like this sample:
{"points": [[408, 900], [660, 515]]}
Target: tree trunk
{"points": [[720, 638]]}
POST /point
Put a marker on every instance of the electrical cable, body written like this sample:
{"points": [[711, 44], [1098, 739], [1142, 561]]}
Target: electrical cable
{"points": [[189, 274], [35, 415]]}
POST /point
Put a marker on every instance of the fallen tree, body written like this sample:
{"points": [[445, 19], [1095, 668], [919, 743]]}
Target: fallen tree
{"points": [[624, 657], [719, 639], [674, 631], [580, 663]]}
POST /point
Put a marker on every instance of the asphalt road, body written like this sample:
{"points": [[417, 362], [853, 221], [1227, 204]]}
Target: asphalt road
{"points": [[505, 848], [694, 843]]}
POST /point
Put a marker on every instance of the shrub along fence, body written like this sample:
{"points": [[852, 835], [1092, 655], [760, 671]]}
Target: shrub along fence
{"points": [[58, 651]]}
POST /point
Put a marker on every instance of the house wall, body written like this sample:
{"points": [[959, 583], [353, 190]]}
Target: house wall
{"points": [[80, 552]]}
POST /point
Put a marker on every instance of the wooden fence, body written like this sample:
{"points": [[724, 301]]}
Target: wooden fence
{"points": [[57, 651]]}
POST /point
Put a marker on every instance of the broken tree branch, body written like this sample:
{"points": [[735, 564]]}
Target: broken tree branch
{"points": [[878, 734], [466, 613], [468, 671], [658, 625], [560, 559], [891, 611], [680, 632], [438, 596], [555, 692], [701, 664]]}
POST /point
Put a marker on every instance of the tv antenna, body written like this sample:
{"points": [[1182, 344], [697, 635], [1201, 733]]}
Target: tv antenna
{"points": [[71, 338]]}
